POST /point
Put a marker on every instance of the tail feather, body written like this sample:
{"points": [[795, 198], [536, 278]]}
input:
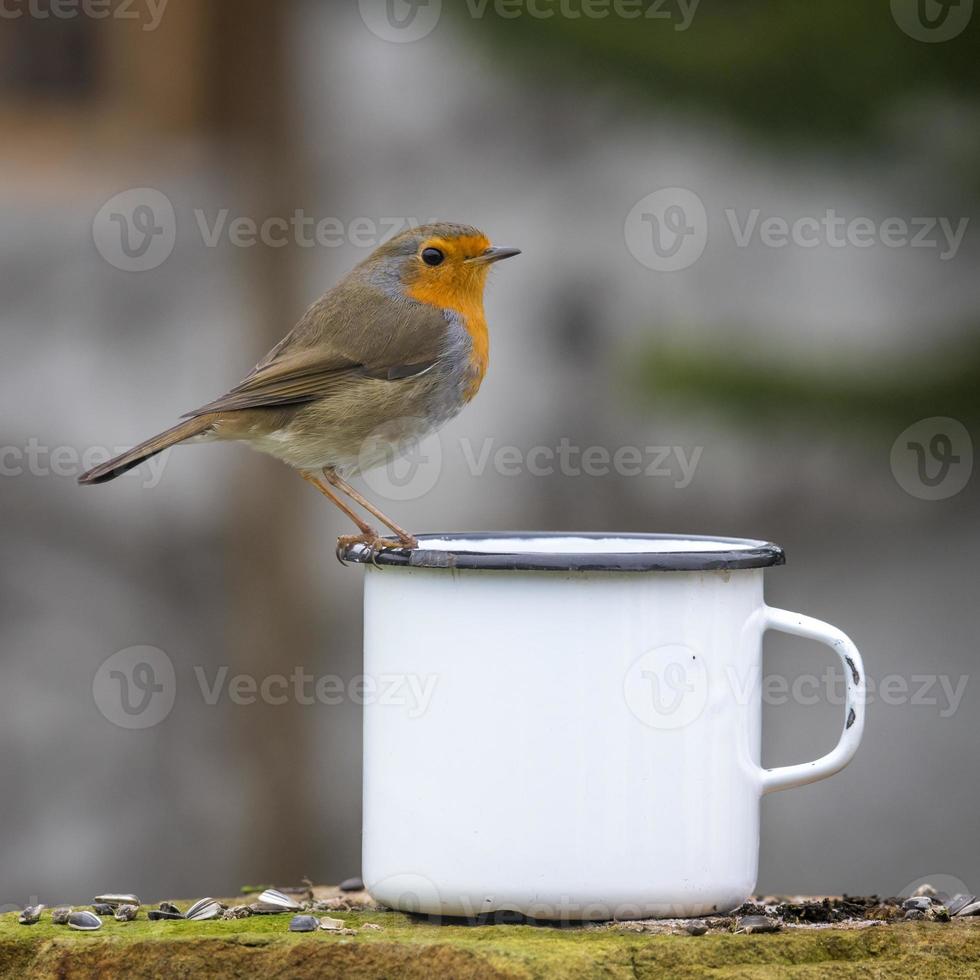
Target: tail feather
{"points": [[126, 461]]}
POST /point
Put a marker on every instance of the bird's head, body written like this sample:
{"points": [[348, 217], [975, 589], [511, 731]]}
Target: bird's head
{"points": [[443, 264]]}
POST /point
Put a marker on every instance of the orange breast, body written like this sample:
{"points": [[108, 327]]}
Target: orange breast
{"points": [[470, 309]]}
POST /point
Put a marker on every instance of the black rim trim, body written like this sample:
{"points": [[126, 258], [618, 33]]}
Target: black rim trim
{"points": [[758, 554]]}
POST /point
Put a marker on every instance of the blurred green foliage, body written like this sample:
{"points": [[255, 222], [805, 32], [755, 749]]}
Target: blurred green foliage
{"points": [[867, 398], [788, 68]]}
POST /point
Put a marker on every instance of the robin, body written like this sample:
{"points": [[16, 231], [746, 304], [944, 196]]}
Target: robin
{"points": [[396, 348]]}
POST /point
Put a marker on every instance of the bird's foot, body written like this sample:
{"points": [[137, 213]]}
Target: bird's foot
{"points": [[374, 542]]}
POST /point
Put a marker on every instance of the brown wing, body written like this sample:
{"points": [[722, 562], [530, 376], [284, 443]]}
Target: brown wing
{"points": [[352, 332]]}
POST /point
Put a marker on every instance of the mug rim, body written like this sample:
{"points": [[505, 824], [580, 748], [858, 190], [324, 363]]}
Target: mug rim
{"points": [[518, 551]]}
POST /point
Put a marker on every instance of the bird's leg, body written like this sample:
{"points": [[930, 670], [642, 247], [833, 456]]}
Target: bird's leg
{"points": [[368, 535], [366, 530], [408, 540]]}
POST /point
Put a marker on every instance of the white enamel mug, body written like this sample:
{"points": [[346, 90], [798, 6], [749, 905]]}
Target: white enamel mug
{"points": [[569, 727]]}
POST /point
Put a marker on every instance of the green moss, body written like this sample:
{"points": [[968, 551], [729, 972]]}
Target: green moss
{"points": [[411, 947]]}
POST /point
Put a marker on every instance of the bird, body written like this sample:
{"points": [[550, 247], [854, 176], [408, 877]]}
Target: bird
{"points": [[384, 358]]}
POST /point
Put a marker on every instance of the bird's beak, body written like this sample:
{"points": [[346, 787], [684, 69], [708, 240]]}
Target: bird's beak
{"points": [[494, 254]]}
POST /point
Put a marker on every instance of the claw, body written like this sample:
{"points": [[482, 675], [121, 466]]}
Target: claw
{"points": [[340, 552], [374, 542]]}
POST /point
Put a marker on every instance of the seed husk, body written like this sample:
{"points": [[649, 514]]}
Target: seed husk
{"points": [[30, 915], [155, 915], [303, 923], [236, 912], [272, 896], [197, 906], [115, 899], [203, 909], [757, 923], [920, 902], [84, 921], [264, 908]]}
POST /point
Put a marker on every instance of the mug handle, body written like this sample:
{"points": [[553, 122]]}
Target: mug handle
{"points": [[786, 777]]}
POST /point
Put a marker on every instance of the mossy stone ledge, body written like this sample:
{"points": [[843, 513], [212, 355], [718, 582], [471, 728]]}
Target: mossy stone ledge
{"points": [[408, 946]]}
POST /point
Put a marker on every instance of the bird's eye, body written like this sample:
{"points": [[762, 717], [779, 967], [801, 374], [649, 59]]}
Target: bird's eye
{"points": [[432, 256]]}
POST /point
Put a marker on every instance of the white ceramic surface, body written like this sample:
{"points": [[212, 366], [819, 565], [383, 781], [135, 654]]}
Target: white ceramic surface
{"points": [[573, 744]]}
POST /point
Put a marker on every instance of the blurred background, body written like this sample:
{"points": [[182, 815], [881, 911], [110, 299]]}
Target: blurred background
{"points": [[750, 266]]}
